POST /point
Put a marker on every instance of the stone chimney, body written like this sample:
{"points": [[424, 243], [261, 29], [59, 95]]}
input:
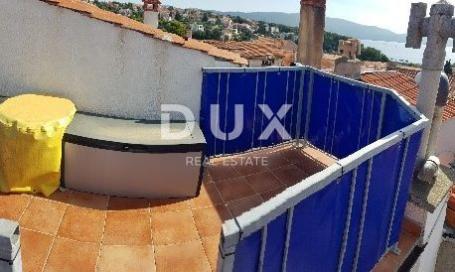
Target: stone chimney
{"points": [[348, 65], [151, 12], [311, 32], [350, 48]]}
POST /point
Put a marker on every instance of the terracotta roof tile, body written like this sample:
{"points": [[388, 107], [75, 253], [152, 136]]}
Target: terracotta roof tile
{"points": [[127, 23], [260, 48], [412, 72], [405, 86]]}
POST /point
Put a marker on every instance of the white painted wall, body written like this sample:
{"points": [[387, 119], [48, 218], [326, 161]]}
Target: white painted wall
{"points": [[433, 229], [446, 142], [103, 68]]}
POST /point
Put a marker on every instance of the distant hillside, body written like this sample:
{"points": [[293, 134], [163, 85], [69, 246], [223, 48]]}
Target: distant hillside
{"points": [[335, 25]]}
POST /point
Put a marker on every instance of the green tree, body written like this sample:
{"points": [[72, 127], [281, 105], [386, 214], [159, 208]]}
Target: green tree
{"points": [[372, 54], [261, 28], [205, 17], [173, 27], [244, 35], [178, 16], [199, 35], [448, 68], [238, 20]]}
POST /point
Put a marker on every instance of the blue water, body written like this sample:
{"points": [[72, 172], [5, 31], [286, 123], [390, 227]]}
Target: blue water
{"points": [[397, 52]]}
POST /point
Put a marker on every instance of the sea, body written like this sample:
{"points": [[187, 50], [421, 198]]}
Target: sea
{"points": [[397, 51]]}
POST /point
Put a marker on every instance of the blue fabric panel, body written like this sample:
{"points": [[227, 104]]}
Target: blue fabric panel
{"points": [[221, 101], [293, 99], [276, 239], [321, 107], [411, 158], [275, 98], [209, 97], [260, 99], [242, 91], [317, 228], [396, 116], [348, 120], [380, 201], [376, 113], [351, 245], [305, 89], [332, 116], [365, 130], [248, 89], [248, 253]]}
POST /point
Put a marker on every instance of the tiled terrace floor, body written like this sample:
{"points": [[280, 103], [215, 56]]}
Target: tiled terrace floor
{"points": [[409, 237], [73, 231]]}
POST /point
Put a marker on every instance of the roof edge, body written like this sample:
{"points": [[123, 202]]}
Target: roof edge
{"points": [[124, 22]]}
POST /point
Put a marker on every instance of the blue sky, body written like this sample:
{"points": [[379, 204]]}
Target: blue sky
{"points": [[389, 14]]}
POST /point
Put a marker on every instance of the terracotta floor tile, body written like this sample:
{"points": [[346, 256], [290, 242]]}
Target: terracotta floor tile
{"points": [[72, 256], [270, 194], [182, 258], [207, 179], [92, 201], [392, 261], [234, 189], [82, 224], [387, 264], [209, 220], [211, 245], [12, 206], [221, 171], [35, 247], [127, 228], [319, 156], [309, 166], [263, 182], [173, 227], [126, 258], [289, 175], [122, 204], [61, 196], [167, 205], [406, 242], [293, 154], [43, 215], [411, 227], [251, 163], [239, 206], [208, 197], [275, 160]]}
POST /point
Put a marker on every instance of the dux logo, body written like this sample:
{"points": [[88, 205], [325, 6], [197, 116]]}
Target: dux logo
{"points": [[274, 122]]}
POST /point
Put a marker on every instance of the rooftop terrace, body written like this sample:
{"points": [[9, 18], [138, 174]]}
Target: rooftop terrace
{"points": [[74, 231]]}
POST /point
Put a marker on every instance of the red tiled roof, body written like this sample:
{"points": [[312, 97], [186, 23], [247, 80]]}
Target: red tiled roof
{"points": [[121, 21], [260, 48], [412, 72], [405, 86]]}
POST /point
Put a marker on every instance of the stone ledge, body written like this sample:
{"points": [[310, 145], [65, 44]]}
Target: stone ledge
{"points": [[428, 196]]}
